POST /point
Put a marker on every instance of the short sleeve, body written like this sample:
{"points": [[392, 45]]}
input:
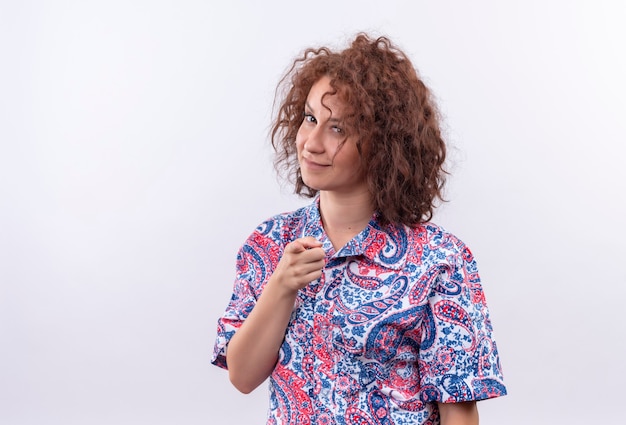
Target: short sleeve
{"points": [[459, 361], [255, 263]]}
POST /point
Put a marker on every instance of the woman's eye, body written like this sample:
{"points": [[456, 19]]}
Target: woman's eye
{"points": [[337, 129], [309, 118]]}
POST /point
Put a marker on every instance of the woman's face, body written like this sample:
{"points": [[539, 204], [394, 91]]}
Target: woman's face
{"points": [[328, 155]]}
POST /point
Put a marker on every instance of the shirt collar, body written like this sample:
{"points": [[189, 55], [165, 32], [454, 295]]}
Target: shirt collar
{"points": [[384, 246]]}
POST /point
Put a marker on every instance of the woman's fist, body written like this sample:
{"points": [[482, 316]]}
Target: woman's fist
{"points": [[302, 262]]}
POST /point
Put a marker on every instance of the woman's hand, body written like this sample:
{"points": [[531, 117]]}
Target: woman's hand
{"points": [[302, 263]]}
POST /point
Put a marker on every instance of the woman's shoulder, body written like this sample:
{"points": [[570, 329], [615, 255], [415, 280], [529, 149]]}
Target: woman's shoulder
{"points": [[438, 237], [284, 227]]}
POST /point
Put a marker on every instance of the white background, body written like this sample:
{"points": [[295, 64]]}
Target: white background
{"points": [[134, 161]]}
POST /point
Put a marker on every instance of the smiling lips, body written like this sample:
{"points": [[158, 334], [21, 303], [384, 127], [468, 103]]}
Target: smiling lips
{"points": [[312, 164]]}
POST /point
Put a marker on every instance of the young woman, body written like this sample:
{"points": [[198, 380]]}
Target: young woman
{"points": [[357, 307]]}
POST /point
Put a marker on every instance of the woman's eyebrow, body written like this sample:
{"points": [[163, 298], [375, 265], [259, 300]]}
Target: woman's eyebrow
{"points": [[333, 118]]}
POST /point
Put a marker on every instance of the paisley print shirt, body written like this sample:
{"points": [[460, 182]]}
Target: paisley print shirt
{"points": [[397, 322]]}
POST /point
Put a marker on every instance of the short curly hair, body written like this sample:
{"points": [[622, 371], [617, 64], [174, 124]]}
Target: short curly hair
{"points": [[393, 114]]}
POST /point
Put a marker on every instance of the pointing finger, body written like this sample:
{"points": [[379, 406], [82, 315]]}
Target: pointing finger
{"points": [[310, 242]]}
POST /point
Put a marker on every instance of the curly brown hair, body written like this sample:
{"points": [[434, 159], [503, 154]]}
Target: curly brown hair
{"points": [[393, 114]]}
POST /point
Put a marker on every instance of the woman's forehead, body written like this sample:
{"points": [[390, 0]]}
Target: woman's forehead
{"points": [[326, 95]]}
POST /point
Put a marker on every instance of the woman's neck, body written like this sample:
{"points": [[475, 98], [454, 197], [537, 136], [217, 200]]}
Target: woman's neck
{"points": [[345, 215]]}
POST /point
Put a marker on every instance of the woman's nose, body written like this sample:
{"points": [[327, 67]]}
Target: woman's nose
{"points": [[314, 142]]}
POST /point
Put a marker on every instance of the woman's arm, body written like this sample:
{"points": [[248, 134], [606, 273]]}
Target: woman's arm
{"points": [[253, 351], [464, 413]]}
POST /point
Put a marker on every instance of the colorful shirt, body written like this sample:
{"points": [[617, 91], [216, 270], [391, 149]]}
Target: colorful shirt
{"points": [[397, 322]]}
